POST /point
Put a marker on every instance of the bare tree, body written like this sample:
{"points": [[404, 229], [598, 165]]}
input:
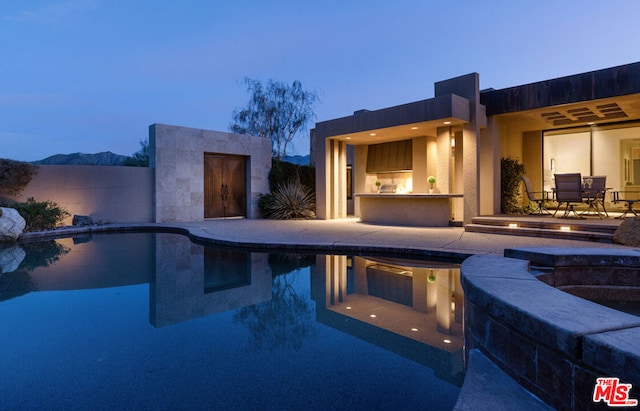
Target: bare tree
{"points": [[277, 111]]}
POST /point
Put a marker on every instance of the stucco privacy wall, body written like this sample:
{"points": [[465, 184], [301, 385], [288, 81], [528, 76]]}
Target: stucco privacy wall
{"points": [[177, 154], [109, 194]]}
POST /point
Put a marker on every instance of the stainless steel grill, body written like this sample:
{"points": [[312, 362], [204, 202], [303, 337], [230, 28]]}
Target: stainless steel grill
{"points": [[388, 188]]}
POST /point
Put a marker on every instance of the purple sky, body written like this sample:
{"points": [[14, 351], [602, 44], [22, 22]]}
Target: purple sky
{"points": [[92, 75]]}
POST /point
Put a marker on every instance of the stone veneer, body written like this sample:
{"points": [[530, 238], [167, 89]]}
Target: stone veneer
{"points": [[552, 343], [177, 154]]}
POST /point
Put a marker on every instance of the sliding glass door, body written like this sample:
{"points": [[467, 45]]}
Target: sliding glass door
{"points": [[612, 151]]}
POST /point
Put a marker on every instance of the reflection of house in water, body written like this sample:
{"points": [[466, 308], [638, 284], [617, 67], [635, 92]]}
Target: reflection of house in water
{"points": [[414, 310], [193, 281]]}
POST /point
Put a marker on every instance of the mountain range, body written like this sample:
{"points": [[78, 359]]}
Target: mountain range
{"points": [[107, 158]]}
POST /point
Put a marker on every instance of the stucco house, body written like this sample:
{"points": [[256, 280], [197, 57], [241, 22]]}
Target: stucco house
{"points": [[587, 123]]}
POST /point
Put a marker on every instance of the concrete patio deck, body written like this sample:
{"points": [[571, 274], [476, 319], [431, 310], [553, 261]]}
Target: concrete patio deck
{"points": [[341, 235]]}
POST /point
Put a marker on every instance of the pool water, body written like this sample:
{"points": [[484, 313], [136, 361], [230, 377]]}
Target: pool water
{"points": [[155, 321]]}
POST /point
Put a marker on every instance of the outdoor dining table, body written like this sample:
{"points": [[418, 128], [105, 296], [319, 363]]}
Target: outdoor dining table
{"points": [[594, 191]]}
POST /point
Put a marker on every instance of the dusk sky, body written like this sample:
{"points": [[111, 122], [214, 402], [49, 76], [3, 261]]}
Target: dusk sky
{"points": [[92, 75]]}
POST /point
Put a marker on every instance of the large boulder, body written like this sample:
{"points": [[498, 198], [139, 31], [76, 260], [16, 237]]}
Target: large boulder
{"points": [[628, 233], [81, 220], [10, 258], [11, 224]]}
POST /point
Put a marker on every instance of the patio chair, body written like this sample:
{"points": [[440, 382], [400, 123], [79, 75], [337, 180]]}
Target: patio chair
{"points": [[538, 197], [594, 189], [568, 191], [629, 197]]}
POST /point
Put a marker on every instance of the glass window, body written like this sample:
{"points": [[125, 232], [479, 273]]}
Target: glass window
{"points": [[612, 151]]}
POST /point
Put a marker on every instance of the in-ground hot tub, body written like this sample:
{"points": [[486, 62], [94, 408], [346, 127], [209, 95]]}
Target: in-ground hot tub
{"points": [[551, 342], [614, 286]]}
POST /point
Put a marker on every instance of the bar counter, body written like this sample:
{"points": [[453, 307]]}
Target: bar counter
{"points": [[418, 210]]}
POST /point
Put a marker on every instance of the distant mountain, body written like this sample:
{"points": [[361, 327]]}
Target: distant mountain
{"points": [[299, 160], [106, 158]]}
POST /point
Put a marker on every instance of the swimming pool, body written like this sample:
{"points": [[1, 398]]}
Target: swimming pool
{"points": [[156, 321]]}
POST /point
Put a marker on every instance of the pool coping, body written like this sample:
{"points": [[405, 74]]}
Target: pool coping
{"points": [[199, 235]]}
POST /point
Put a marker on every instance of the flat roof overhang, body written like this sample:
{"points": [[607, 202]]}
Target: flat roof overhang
{"points": [[607, 96], [417, 119], [600, 112]]}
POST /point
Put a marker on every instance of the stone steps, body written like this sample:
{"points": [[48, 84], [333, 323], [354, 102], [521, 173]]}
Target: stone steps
{"points": [[584, 230]]}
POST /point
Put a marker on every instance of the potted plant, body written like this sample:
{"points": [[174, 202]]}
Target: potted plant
{"points": [[431, 180], [378, 184]]}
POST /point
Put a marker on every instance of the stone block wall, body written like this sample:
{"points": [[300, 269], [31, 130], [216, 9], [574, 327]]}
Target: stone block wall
{"points": [[177, 154], [108, 194]]}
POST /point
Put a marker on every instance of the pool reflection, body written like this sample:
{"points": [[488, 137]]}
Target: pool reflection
{"points": [[414, 308], [192, 280]]}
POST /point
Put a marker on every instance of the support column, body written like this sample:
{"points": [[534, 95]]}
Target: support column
{"points": [[468, 86], [490, 171], [359, 175], [419, 161], [331, 179], [471, 171], [322, 177], [337, 184], [444, 172]]}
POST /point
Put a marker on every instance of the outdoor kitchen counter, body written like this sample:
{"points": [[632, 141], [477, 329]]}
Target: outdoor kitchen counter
{"points": [[420, 210]]}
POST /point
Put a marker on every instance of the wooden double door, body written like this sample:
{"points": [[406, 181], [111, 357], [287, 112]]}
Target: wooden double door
{"points": [[225, 193]]}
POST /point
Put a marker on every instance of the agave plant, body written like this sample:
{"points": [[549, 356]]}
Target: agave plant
{"points": [[291, 200]]}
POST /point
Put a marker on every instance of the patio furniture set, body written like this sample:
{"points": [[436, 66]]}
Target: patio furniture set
{"points": [[573, 189]]}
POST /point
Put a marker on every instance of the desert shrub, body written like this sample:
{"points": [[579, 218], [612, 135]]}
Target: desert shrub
{"points": [[15, 175], [282, 172], [265, 204], [288, 201], [511, 173], [41, 215]]}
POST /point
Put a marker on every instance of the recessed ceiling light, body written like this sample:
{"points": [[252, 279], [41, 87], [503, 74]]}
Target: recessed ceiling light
{"points": [[414, 128], [348, 138], [447, 122], [372, 134]]}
